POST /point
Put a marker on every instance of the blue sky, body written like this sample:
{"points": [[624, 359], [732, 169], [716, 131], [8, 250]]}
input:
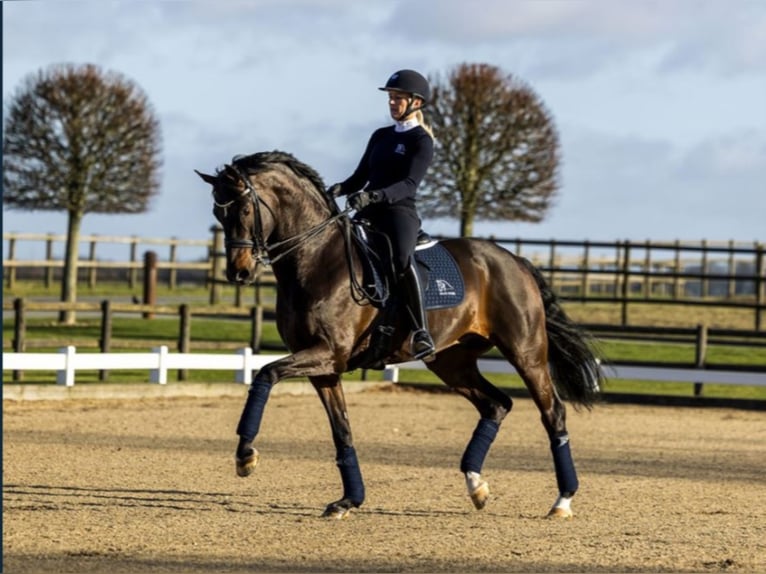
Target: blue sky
{"points": [[660, 105]]}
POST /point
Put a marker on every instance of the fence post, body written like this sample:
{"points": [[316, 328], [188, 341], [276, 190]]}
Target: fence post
{"points": [[150, 281], [676, 278], [19, 332], [160, 374], [584, 283], [105, 343], [184, 338], [173, 274], [625, 283], [245, 376], [647, 269], [700, 353], [92, 271], [66, 377], [11, 282], [552, 264], [705, 282], [256, 327], [49, 258], [760, 287], [133, 275], [731, 284], [617, 267]]}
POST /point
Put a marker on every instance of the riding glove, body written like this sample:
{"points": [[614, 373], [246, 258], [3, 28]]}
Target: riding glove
{"points": [[334, 190], [364, 198]]}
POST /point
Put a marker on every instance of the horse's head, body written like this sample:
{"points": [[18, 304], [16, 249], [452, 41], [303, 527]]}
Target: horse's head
{"points": [[246, 223], [270, 206]]}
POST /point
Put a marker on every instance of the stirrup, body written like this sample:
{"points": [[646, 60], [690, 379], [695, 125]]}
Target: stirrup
{"points": [[422, 346]]}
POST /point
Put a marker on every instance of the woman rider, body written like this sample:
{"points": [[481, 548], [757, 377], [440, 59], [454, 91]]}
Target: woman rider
{"points": [[392, 166]]}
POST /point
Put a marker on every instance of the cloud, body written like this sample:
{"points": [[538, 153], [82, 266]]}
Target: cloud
{"points": [[734, 160], [565, 37]]}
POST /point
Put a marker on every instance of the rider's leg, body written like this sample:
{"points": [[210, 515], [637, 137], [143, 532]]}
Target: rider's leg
{"points": [[422, 346]]}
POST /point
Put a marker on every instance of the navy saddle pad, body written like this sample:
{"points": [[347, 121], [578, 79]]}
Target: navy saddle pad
{"points": [[445, 287]]}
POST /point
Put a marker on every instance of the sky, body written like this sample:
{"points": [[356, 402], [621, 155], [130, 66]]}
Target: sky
{"points": [[660, 105]]}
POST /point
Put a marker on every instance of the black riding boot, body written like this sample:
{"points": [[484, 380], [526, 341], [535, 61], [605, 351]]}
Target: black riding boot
{"points": [[422, 345]]}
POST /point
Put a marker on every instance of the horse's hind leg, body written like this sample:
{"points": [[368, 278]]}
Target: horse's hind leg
{"points": [[331, 394], [532, 366], [458, 369]]}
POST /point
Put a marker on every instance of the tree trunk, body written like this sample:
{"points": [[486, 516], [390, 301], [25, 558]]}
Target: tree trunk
{"points": [[466, 225], [69, 278]]}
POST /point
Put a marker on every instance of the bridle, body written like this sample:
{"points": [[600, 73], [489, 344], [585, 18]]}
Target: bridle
{"points": [[261, 249]]}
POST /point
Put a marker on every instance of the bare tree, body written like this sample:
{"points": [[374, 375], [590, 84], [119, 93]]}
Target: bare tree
{"points": [[83, 141], [496, 149]]}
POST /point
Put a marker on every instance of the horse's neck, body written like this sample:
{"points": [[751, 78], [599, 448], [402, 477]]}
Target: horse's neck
{"points": [[312, 260]]}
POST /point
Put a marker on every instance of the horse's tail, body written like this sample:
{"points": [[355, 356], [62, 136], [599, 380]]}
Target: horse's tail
{"points": [[574, 367]]}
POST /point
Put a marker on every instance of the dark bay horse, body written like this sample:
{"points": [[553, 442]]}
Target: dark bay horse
{"points": [[274, 209]]}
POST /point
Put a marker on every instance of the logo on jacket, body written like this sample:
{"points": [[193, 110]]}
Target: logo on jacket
{"points": [[400, 149]]}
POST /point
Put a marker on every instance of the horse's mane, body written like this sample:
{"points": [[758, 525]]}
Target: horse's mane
{"points": [[257, 161]]}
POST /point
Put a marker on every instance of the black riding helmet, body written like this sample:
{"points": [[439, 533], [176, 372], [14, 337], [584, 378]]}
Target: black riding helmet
{"points": [[411, 82]]}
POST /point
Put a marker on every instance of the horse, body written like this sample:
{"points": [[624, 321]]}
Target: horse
{"points": [[275, 209]]}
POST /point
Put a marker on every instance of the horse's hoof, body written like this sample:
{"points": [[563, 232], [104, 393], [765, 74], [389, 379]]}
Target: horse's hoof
{"points": [[561, 509], [336, 512], [559, 513], [480, 495], [246, 464]]}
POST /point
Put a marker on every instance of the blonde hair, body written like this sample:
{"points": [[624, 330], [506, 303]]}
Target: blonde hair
{"points": [[422, 121]]}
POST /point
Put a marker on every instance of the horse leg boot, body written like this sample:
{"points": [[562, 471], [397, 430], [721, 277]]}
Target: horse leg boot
{"points": [[422, 346]]}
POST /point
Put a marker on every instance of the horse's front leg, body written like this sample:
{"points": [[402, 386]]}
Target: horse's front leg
{"points": [[247, 455], [304, 363], [331, 394]]}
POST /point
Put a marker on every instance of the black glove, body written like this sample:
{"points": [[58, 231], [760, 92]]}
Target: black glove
{"points": [[362, 199], [334, 190]]}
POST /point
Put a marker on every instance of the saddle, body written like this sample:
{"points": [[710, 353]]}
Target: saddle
{"points": [[441, 276], [442, 281]]}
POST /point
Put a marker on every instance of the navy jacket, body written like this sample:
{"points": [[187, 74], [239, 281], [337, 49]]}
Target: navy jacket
{"points": [[393, 163]]}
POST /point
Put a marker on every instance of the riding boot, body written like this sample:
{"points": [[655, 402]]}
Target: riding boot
{"points": [[381, 340], [422, 346]]}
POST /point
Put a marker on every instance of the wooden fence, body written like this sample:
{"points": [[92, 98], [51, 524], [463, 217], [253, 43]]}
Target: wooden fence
{"points": [[705, 273], [92, 265]]}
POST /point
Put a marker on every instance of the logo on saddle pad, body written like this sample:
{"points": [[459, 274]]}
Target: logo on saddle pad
{"points": [[444, 288]]}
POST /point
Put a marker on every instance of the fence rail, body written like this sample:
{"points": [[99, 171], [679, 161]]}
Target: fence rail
{"points": [[627, 273], [159, 361]]}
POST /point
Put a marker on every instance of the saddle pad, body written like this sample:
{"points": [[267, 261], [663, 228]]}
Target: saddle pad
{"points": [[445, 287]]}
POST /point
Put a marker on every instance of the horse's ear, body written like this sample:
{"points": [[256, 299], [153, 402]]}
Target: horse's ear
{"points": [[231, 171], [234, 175], [211, 179]]}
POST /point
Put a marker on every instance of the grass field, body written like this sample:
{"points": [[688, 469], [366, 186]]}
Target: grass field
{"points": [[162, 329]]}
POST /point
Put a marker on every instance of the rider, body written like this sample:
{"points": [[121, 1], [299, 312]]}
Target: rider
{"points": [[393, 165]]}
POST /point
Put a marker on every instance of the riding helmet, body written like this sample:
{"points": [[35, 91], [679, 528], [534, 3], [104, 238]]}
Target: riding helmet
{"points": [[411, 82]]}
